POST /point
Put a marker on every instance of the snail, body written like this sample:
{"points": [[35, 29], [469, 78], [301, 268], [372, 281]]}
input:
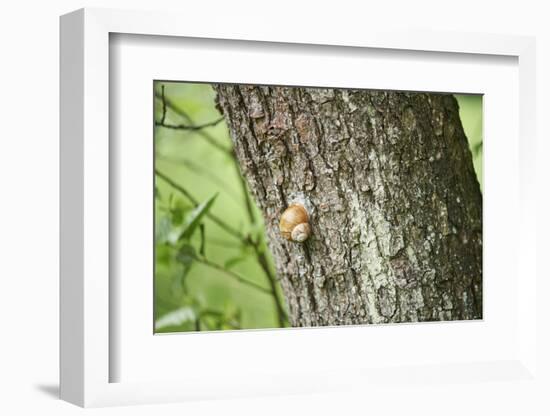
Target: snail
{"points": [[294, 224]]}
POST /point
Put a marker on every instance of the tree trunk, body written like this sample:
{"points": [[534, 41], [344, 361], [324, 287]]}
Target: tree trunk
{"points": [[394, 203]]}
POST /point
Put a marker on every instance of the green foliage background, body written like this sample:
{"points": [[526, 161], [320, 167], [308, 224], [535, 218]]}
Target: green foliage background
{"points": [[200, 267]]}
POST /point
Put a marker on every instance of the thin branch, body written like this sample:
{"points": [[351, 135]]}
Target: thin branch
{"points": [[173, 106], [179, 188], [188, 127], [163, 118], [210, 139], [232, 274], [199, 170], [244, 190], [262, 260], [195, 202]]}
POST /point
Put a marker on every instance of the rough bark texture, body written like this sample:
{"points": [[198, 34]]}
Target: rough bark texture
{"points": [[389, 184]]}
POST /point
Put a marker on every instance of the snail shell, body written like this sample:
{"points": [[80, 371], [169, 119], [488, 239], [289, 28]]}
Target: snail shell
{"points": [[294, 224]]}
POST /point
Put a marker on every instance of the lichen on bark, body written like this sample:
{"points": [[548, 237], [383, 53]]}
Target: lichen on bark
{"points": [[394, 203]]}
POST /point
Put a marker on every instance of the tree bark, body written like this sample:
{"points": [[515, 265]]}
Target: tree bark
{"points": [[394, 203]]}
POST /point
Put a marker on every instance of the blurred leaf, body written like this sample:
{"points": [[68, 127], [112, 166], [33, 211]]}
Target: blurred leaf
{"points": [[195, 217], [186, 254], [178, 210], [170, 199], [163, 230], [177, 216], [212, 320], [163, 254], [176, 318]]}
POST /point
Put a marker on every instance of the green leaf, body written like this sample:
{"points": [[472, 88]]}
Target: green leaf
{"points": [[177, 216], [163, 229], [178, 211], [176, 318], [195, 217], [186, 254], [164, 254]]}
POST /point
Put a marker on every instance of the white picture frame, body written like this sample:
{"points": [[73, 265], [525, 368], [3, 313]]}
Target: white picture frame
{"points": [[87, 302]]}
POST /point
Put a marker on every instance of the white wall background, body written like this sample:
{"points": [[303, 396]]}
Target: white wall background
{"points": [[29, 57]]}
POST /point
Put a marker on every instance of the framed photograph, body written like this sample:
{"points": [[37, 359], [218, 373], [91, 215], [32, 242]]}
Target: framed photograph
{"points": [[280, 213]]}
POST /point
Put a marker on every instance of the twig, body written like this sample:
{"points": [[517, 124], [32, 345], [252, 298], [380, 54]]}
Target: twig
{"points": [[244, 189], [234, 275], [195, 202], [188, 127], [262, 260], [211, 140], [179, 188], [199, 170], [173, 106], [163, 118]]}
